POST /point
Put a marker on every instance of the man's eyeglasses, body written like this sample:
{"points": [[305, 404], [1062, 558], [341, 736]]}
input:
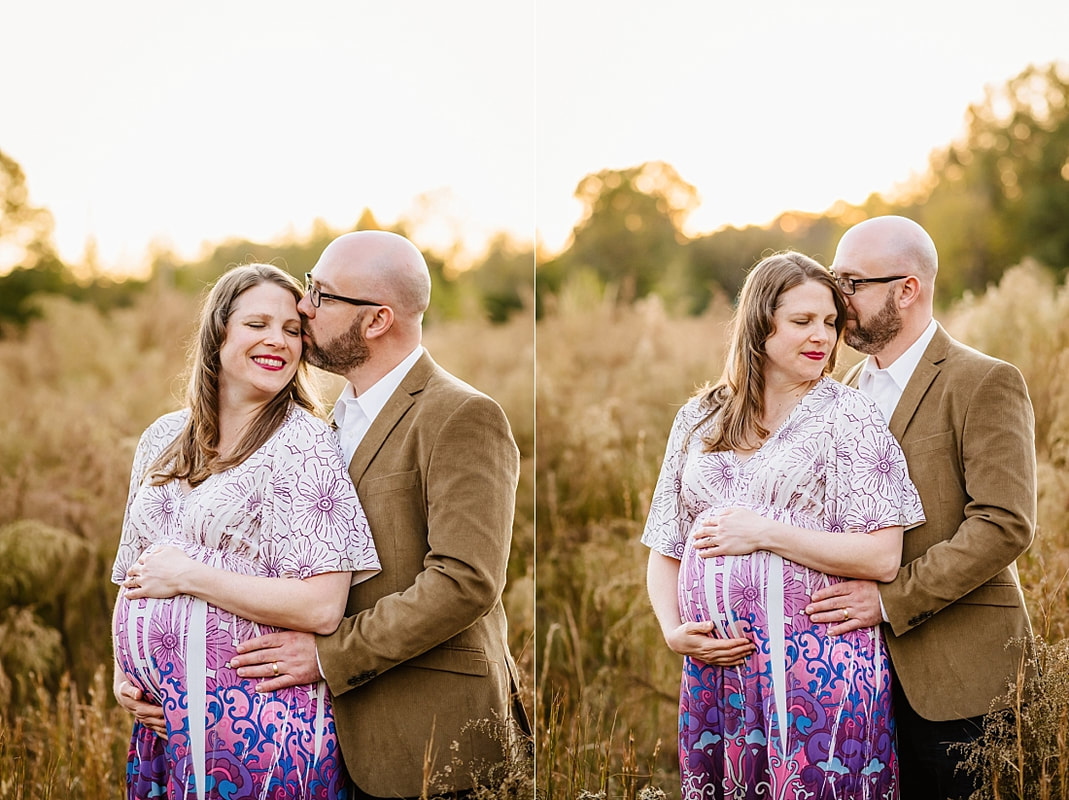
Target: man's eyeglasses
{"points": [[849, 285], [316, 296]]}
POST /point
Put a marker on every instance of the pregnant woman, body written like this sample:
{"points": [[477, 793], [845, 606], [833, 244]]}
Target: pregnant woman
{"points": [[240, 520], [775, 481]]}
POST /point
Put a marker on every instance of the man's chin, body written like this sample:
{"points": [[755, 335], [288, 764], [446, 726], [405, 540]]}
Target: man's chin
{"points": [[312, 356], [859, 343]]}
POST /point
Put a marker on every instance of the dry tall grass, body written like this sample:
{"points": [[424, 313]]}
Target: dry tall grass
{"points": [[609, 382], [610, 379], [80, 387]]}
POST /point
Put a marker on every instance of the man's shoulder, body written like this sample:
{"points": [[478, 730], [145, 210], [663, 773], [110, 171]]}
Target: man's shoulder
{"points": [[446, 389], [967, 361]]}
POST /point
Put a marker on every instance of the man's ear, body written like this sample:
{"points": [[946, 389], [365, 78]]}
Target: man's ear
{"points": [[381, 322], [910, 293]]}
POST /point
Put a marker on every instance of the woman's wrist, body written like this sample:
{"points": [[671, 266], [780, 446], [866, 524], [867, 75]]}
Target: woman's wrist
{"points": [[780, 535], [191, 580]]}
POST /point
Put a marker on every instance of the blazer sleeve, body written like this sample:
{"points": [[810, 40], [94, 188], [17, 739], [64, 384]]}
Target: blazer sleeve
{"points": [[995, 457], [470, 485]]}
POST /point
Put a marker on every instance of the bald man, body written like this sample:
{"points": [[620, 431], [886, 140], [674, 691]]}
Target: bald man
{"points": [[955, 617], [422, 655]]}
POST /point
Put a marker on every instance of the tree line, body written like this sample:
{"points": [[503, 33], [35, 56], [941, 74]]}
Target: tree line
{"points": [[995, 197]]}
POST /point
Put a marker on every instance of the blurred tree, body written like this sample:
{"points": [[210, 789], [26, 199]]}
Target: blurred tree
{"points": [[720, 260], [25, 230], [503, 278], [631, 231], [367, 221], [1002, 193], [27, 253]]}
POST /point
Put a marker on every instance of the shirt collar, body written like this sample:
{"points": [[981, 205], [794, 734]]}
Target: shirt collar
{"points": [[371, 402], [902, 369]]}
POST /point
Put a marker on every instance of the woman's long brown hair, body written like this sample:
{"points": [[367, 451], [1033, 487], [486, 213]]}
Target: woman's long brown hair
{"points": [[194, 455], [737, 400]]}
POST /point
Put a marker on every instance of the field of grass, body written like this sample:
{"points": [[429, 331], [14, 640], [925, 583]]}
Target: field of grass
{"points": [[600, 682]]}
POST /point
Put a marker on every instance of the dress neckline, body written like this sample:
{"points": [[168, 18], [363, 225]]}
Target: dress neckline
{"points": [[783, 424]]}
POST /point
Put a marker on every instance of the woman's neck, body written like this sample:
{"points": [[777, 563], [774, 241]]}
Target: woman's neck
{"points": [[234, 420], [780, 400]]}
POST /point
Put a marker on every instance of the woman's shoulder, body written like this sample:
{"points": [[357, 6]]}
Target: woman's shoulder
{"points": [[302, 424], [166, 426], [155, 438], [846, 399], [692, 411], [301, 419], [847, 409]]}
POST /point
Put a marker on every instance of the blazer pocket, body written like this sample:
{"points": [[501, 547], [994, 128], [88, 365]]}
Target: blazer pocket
{"points": [[994, 594], [398, 481], [930, 444], [465, 660]]}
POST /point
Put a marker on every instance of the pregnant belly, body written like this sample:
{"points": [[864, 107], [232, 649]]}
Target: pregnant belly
{"points": [[150, 639], [739, 593], [156, 638]]}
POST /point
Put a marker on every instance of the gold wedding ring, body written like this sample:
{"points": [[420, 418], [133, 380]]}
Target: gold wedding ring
{"points": [[846, 614], [274, 668]]}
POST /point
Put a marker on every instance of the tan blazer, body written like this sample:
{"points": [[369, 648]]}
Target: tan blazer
{"points": [[422, 652], [966, 426]]}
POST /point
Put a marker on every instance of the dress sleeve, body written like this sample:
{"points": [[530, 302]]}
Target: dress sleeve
{"points": [[132, 541], [869, 487], [314, 522], [669, 520]]}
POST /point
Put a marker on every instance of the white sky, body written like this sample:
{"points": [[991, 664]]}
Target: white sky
{"points": [[197, 121]]}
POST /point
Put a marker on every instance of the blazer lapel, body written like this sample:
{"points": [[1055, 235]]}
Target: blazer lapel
{"points": [[927, 370], [396, 407]]}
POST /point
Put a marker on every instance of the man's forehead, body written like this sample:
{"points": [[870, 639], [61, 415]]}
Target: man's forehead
{"points": [[851, 259], [332, 268]]}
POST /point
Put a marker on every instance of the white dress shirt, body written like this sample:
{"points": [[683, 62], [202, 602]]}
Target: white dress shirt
{"points": [[353, 414], [885, 386]]}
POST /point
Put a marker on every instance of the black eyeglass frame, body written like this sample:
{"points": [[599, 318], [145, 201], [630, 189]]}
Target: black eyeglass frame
{"points": [[849, 285], [315, 295]]}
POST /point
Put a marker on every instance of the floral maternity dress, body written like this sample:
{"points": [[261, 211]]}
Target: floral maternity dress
{"points": [[290, 511], [807, 715]]}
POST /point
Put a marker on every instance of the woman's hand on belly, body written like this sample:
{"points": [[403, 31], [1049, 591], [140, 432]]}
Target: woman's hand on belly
{"points": [[148, 714], [732, 532], [693, 639], [159, 573]]}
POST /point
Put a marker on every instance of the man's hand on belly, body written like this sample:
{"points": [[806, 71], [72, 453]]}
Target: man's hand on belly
{"points": [[283, 659]]}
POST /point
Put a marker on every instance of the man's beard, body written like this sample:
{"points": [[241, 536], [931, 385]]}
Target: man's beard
{"points": [[341, 355], [878, 331]]}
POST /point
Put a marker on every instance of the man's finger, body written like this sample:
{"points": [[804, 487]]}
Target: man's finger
{"points": [[268, 640], [253, 658], [259, 669], [830, 592], [845, 627], [832, 606], [283, 681]]}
